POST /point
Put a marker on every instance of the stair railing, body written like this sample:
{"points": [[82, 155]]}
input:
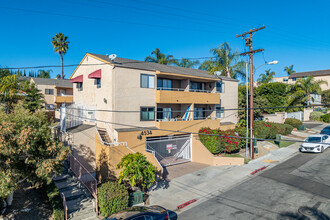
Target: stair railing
{"points": [[65, 206], [85, 177]]}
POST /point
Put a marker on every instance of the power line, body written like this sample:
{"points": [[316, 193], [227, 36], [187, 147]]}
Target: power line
{"points": [[197, 133], [108, 20], [232, 109]]}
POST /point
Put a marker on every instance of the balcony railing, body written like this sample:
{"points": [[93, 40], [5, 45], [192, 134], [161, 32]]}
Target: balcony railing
{"points": [[64, 98], [190, 90]]}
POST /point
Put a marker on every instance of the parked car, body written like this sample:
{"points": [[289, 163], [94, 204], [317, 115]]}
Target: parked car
{"points": [[316, 143], [141, 213], [326, 130]]}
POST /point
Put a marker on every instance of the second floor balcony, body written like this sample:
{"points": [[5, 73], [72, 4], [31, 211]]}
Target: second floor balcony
{"points": [[63, 99]]}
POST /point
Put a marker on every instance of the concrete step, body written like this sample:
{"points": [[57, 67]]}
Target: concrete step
{"points": [[80, 204], [62, 177], [74, 193], [65, 185], [88, 213]]}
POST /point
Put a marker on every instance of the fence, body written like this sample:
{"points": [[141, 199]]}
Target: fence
{"points": [[74, 115], [65, 206], [85, 177]]}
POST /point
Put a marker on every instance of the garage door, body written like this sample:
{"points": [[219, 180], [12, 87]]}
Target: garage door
{"points": [[170, 150]]}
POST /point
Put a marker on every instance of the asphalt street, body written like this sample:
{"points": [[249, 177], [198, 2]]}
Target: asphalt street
{"points": [[296, 189]]}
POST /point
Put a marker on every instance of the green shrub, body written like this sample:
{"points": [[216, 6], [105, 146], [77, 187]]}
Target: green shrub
{"points": [[293, 122], [315, 115], [220, 144], [112, 197], [326, 118], [55, 201], [288, 129]]}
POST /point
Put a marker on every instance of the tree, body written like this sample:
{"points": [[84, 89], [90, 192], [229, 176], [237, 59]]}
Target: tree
{"points": [[58, 76], [61, 45], [137, 171], [301, 90], [289, 70], [158, 57], [44, 73], [275, 93], [186, 63], [326, 97], [4, 72], [34, 99], [266, 77], [9, 91], [27, 150], [226, 61]]}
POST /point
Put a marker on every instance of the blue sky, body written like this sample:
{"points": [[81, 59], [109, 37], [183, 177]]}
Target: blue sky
{"points": [[297, 32]]}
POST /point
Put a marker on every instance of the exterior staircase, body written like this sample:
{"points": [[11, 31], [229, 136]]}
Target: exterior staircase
{"points": [[80, 203], [104, 136]]}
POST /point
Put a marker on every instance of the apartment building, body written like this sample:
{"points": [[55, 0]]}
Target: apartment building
{"points": [[55, 91], [151, 108], [318, 75]]}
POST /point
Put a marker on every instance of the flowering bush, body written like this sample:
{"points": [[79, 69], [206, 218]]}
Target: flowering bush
{"points": [[225, 142]]}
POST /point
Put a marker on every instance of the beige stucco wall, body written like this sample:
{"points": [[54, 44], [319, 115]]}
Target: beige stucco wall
{"points": [[163, 96], [189, 126], [316, 78], [277, 117], [49, 99], [83, 148], [229, 100], [91, 96]]}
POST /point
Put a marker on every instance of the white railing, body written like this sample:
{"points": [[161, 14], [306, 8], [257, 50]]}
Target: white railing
{"points": [[170, 89], [111, 134], [115, 144], [154, 154]]}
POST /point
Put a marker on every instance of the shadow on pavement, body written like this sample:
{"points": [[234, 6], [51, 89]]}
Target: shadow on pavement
{"points": [[303, 213]]}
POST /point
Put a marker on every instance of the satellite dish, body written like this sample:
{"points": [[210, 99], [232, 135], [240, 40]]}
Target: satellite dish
{"points": [[112, 56]]}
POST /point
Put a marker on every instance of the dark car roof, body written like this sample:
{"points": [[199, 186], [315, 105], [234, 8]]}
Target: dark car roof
{"points": [[135, 211]]}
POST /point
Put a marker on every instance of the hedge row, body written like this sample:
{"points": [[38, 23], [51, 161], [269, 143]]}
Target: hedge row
{"points": [[325, 118], [293, 122], [227, 142]]}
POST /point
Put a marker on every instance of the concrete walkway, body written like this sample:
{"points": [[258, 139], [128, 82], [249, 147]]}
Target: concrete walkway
{"points": [[211, 181]]}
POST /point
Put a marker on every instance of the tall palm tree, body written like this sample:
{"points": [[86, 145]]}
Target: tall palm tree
{"points": [[303, 88], [9, 91], [158, 57], [186, 63], [289, 70], [266, 77], [226, 61], [61, 45]]}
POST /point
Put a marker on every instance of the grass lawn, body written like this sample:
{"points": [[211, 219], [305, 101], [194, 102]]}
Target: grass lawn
{"points": [[284, 143], [246, 160]]}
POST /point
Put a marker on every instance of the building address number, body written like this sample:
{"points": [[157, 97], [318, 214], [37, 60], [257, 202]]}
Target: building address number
{"points": [[146, 132]]}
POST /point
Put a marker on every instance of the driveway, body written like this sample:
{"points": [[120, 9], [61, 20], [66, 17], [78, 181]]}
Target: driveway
{"points": [[296, 189]]}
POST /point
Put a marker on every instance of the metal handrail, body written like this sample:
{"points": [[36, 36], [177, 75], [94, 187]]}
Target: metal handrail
{"points": [[92, 191], [65, 206], [170, 89]]}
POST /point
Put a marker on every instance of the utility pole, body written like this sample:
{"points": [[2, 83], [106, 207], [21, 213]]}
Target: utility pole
{"points": [[248, 43]]}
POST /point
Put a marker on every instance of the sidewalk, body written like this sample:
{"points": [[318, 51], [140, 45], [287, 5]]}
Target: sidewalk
{"points": [[211, 181]]}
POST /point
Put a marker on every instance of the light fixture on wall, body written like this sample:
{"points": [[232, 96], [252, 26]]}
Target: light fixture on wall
{"points": [[139, 136], [105, 100]]}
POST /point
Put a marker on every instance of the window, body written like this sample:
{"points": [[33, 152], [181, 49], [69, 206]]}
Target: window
{"points": [[294, 79], [197, 86], [49, 91], [220, 87], [199, 113], [285, 79], [147, 81], [164, 114], [79, 86], [164, 84], [147, 114], [219, 111], [97, 82], [49, 107]]}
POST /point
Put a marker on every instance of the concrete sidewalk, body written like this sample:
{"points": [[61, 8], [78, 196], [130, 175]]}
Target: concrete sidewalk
{"points": [[211, 181]]}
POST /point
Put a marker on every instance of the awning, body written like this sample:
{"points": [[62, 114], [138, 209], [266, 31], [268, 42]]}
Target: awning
{"points": [[78, 79], [95, 75]]}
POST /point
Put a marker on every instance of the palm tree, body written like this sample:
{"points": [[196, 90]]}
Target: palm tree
{"points": [[225, 61], [303, 88], [44, 73], [61, 45], [266, 77], [186, 63], [9, 91], [158, 57], [289, 70]]}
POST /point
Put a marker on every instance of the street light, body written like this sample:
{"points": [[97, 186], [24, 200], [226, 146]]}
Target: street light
{"points": [[251, 106]]}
